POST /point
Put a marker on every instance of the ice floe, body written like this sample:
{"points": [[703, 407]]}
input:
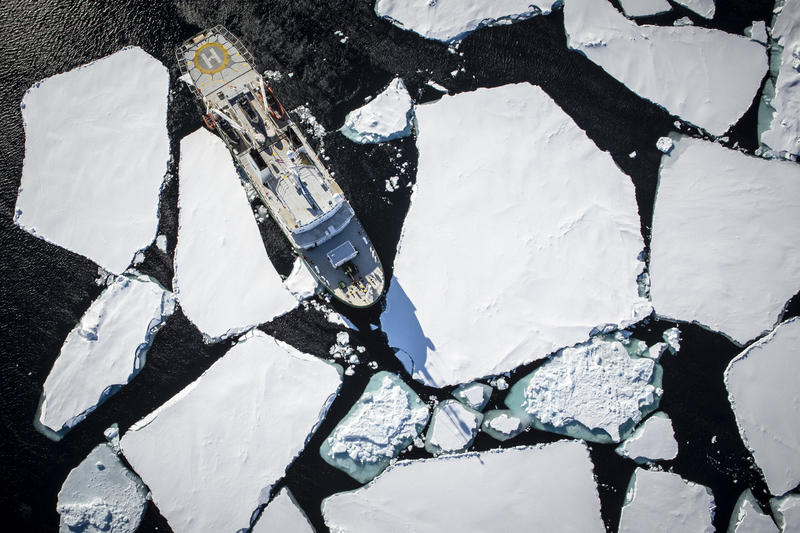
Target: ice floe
{"points": [[704, 8], [643, 8], [762, 389], [385, 118], [474, 395], [594, 391], [664, 144], [662, 502], [747, 517], [96, 151], [550, 486], [724, 252], [101, 494], [672, 337], [211, 454], [503, 424], [541, 262], [652, 441], [452, 20], [103, 352], [224, 280], [758, 32], [787, 512], [453, 427], [301, 282], [283, 515], [680, 68], [386, 418]]}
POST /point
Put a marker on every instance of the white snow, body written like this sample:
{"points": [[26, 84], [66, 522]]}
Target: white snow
{"points": [[453, 427], [538, 264], [652, 441], [724, 252], [664, 144], [224, 280], [662, 502], [758, 32], [704, 8], [96, 151], [656, 351], [502, 424], [452, 20], [781, 127], [211, 453], [101, 494], [104, 351], [681, 68], [643, 8], [387, 117], [474, 395], [301, 282], [551, 486], [386, 418], [747, 517], [672, 337], [283, 515], [595, 391], [786, 510], [762, 389], [161, 243]]}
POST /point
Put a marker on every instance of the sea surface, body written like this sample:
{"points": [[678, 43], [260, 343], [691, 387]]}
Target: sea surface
{"points": [[45, 289]]}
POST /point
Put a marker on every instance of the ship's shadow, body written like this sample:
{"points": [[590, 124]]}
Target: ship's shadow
{"points": [[400, 317]]}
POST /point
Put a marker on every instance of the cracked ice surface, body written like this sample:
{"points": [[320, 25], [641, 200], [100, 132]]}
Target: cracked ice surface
{"points": [[642, 8], [385, 118], [83, 130], [725, 250], [386, 418], [452, 20], [453, 427], [679, 68], [537, 265], [662, 502], [594, 391], [283, 515], [220, 256], [762, 389], [551, 486], [652, 441], [101, 494], [104, 351], [747, 517], [301, 282], [213, 451]]}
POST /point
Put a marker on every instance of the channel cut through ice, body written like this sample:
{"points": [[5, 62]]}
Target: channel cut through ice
{"points": [[385, 118], [522, 265]]}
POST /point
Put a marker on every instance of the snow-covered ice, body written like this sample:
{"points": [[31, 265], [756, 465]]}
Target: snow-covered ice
{"points": [[386, 418], [643, 8], [681, 68], [656, 351], [704, 8], [683, 21], [96, 151], [452, 20], [663, 502], [762, 389], [474, 395], [786, 510], [211, 454], [664, 144], [672, 337], [724, 252], [283, 515], [758, 32], [551, 486], [503, 424], [594, 391], [101, 494], [224, 280], [301, 282], [384, 118], [652, 441], [103, 352], [536, 265], [453, 427], [161, 243], [747, 517]]}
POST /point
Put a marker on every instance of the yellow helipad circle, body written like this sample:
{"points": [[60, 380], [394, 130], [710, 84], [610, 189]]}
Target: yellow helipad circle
{"points": [[211, 58]]}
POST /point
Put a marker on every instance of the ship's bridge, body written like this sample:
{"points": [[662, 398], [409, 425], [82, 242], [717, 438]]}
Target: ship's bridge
{"points": [[214, 59]]}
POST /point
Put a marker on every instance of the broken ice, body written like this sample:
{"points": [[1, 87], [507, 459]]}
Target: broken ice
{"points": [[283, 515], [474, 395], [747, 517], [453, 427], [503, 424], [385, 118], [652, 441], [643, 8]]}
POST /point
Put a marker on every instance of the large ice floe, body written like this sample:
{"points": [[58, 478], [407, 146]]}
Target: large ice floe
{"points": [[747, 517], [211, 454], [594, 391], [453, 427], [522, 265], [385, 118], [101, 495], [452, 20], [283, 515], [704, 8], [662, 502], [224, 280], [679, 68], [643, 8], [550, 486], [787, 512], [652, 441], [96, 151], [779, 115], [386, 418], [725, 249], [103, 352], [762, 388]]}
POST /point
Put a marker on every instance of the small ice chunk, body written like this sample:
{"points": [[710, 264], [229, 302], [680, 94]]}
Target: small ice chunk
{"points": [[665, 502], [301, 282], [643, 8], [386, 418], [632, 155], [438, 87], [161, 243], [747, 517], [392, 183], [652, 441], [704, 8], [474, 395], [672, 337], [111, 434], [757, 32], [387, 117], [656, 350], [502, 424], [683, 21], [762, 389], [664, 144], [786, 510], [283, 515], [453, 427], [95, 499]]}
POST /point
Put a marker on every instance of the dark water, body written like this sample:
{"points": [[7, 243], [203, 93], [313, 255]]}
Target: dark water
{"points": [[44, 289]]}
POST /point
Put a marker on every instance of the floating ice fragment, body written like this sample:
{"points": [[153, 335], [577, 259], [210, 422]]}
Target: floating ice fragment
{"points": [[704, 8], [652, 441], [474, 395], [502, 424], [747, 517], [656, 350], [111, 434], [161, 243], [453, 427], [643, 8], [664, 144], [672, 337], [757, 32], [787, 512], [385, 118], [283, 515], [683, 21], [301, 282]]}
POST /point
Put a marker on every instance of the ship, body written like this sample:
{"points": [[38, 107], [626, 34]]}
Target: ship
{"points": [[272, 154]]}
